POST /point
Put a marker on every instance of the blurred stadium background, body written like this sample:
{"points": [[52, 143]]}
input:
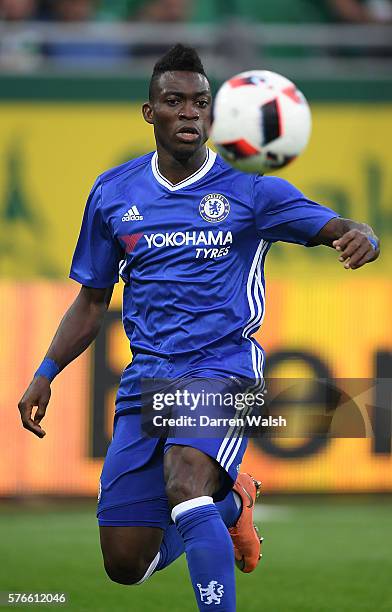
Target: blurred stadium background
{"points": [[72, 76]]}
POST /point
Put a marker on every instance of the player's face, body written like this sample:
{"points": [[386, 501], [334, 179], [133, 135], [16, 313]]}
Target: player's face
{"points": [[180, 112]]}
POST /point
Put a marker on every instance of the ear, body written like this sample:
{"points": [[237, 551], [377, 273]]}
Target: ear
{"points": [[148, 113]]}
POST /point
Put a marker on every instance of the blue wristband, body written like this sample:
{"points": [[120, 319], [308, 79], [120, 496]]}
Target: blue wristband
{"points": [[48, 368], [374, 242]]}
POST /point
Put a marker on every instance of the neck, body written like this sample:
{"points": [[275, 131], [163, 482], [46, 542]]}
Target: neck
{"points": [[179, 169]]}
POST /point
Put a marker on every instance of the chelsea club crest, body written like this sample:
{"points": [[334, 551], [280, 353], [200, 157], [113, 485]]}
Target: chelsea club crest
{"points": [[214, 207]]}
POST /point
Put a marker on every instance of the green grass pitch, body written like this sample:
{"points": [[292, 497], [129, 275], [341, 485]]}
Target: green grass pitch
{"points": [[321, 555]]}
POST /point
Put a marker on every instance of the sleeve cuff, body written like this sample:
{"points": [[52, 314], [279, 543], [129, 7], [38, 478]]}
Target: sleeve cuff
{"points": [[91, 282], [319, 226]]}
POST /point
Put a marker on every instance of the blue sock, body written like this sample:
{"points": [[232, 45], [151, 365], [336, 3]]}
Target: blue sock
{"points": [[230, 508], [209, 553], [172, 547]]}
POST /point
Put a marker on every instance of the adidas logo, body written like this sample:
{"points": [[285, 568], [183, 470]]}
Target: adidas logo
{"points": [[132, 215]]}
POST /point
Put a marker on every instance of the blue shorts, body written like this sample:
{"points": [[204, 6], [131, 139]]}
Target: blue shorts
{"points": [[132, 485]]}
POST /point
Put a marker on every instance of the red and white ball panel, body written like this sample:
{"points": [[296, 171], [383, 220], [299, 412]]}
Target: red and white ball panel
{"points": [[261, 121]]}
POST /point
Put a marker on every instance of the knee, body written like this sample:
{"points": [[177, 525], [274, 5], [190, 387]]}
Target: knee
{"points": [[125, 571], [189, 473], [178, 491]]}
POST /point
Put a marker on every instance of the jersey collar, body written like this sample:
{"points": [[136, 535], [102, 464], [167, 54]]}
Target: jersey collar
{"points": [[202, 171]]}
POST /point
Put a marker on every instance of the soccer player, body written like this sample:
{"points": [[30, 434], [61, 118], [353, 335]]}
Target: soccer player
{"points": [[188, 235]]}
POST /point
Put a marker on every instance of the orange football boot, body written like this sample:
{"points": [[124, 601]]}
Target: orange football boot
{"points": [[244, 534]]}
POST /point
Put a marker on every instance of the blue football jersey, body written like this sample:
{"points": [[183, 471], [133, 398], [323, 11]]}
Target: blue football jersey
{"points": [[191, 256]]}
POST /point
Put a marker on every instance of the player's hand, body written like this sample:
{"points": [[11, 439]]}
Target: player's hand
{"points": [[357, 248], [37, 394]]}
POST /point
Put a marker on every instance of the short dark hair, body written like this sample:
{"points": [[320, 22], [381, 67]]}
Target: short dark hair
{"points": [[180, 57]]}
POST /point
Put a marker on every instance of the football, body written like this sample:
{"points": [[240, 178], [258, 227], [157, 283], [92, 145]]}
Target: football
{"points": [[261, 121]]}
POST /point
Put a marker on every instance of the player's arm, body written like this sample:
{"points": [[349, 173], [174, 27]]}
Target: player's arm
{"points": [[356, 242], [77, 330], [284, 213]]}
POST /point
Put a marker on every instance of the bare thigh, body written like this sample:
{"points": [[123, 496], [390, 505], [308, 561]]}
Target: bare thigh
{"points": [[128, 551]]}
